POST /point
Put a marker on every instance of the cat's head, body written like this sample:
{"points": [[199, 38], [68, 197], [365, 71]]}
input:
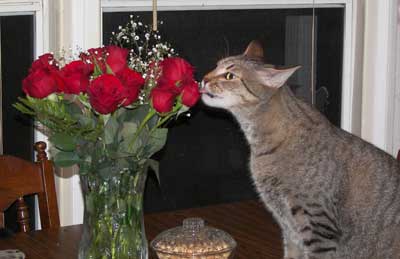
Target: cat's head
{"points": [[242, 80]]}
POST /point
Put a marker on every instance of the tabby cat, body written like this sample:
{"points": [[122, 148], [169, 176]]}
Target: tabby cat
{"points": [[333, 194]]}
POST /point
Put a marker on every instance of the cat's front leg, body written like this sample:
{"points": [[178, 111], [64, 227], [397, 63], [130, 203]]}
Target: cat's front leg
{"points": [[296, 251], [317, 229], [292, 251]]}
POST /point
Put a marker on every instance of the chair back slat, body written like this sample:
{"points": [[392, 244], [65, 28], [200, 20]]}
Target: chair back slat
{"points": [[48, 200], [19, 178], [2, 224], [22, 215]]}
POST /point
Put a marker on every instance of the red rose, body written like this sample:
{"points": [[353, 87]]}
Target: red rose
{"points": [[59, 80], [97, 52], [169, 86], [76, 77], [175, 72], [75, 84], [162, 100], [116, 58], [45, 61], [105, 93], [132, 82], [94, 56], [77, 66], [39, 84], [190, 94]]}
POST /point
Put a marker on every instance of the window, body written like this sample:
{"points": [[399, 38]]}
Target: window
{"points": [[205, 160]]}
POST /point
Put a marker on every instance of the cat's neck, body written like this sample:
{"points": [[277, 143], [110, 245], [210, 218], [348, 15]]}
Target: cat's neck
{"points": [[273, 121]]}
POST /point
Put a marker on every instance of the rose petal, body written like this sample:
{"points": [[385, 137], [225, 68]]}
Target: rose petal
{"points": [[190, 94], [105, 93], [162, 100], [39, 84], [116, 58]]}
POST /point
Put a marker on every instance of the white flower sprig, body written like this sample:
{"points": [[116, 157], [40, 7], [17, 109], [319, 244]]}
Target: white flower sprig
{"points": [[145, 44]]}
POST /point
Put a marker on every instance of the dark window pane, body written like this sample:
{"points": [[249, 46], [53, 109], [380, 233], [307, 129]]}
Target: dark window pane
{"points": [[205, 160], [16, 58]]}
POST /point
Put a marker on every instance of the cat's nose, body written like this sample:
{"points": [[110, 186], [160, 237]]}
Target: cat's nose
{"points": [[203, 86]]}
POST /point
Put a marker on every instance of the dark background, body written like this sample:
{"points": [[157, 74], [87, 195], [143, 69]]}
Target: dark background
{"points": [[16, 58], [205, 160]]}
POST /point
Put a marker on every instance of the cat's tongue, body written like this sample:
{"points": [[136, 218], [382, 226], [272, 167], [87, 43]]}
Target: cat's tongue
{"points": [[203, 91]]}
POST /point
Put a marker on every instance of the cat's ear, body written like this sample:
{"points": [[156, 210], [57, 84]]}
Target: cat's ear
{"points": [[254, 50], [276, 78]]}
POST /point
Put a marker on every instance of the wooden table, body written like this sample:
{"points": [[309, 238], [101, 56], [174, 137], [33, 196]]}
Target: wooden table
{"points": [[252, 227]]}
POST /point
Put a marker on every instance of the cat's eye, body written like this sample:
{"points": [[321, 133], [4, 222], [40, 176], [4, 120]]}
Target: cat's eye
{"points": [[229, 76]]}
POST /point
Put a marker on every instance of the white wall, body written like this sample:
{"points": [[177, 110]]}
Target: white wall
{"points": [[396, 120]]}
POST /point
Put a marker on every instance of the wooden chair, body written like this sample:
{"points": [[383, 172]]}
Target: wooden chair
{"points": [[19, 178]]}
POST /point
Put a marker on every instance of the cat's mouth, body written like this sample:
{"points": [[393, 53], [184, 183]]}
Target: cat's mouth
{"points": [[204, 91]]}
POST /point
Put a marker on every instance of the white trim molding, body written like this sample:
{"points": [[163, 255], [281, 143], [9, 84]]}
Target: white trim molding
{"points": [[20, 7], [39, 10], [396, 113], [379, 75], [135, 5]]}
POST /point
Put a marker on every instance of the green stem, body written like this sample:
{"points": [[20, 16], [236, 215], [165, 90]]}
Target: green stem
{"points": [[149, 115], [166, 118]]}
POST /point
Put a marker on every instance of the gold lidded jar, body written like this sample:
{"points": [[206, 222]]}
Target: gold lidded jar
{"points": [[194, 240]]}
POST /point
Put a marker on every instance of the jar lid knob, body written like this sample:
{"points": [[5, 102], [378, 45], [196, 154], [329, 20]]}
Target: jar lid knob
{"points": [[193, 224]]}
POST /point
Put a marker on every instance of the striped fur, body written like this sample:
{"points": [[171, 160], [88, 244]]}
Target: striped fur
{"points": [[333, 194]]}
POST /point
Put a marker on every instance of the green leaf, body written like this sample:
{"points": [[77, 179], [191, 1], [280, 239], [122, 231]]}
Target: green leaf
{"points": [[127, 142], [109, 70], [84, 168], [86, 121], [128, 130], [110, 130], [125, 146], [153, 121], [107, 172], [97, 70], [136, 115], [63, 141], [122, 163], [66, 159], [84, 100], [155, 166], [22, 108], [156, 142], [72, 109], [120, 113]]}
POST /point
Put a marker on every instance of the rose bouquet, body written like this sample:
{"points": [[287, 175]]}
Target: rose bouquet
{"points": [[106, 111]]}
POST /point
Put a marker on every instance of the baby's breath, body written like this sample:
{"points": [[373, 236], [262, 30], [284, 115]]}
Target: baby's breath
{"points": [[145, 48], [145, 44]]}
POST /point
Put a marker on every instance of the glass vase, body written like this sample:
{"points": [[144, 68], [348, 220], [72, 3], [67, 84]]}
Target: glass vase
{"points": [[113, 226]]}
